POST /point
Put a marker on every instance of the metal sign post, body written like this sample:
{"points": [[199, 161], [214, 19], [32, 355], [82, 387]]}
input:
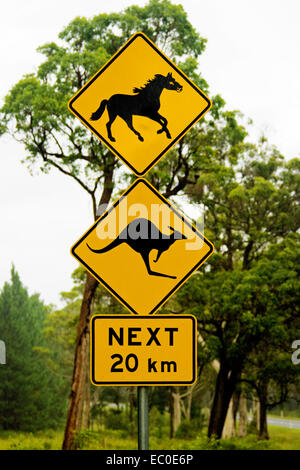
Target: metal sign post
{"points": [[143, 423]]}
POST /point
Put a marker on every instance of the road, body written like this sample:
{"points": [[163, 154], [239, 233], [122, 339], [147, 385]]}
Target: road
{"points": [[286, 423]]}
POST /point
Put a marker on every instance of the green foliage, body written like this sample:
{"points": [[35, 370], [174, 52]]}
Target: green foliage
{"points": [[158, 423], [115, 419], [269, 369], [85, 439], [28, 394], [60, 333], [188, 429], [251, 201], [248, 443], [40, 440], [247, 292]]}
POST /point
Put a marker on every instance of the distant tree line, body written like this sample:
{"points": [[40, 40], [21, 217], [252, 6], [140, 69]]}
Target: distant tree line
{"points": [[33, 395]]}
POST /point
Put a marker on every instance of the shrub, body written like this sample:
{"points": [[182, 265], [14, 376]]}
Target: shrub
{"points": [[187, 429], [83, 439], [115, 419]]}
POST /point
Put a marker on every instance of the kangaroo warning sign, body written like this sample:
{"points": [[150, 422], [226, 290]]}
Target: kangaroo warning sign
{"points": [[139, 104], [142, 249], [128, 350]]}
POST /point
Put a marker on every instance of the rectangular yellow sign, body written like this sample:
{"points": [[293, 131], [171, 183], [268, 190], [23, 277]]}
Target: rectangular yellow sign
{"points": [[143, 350]]}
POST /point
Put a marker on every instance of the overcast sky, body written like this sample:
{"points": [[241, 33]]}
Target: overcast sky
{"points": [[251, 59]]}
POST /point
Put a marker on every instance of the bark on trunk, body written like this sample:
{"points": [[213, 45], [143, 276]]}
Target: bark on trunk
{"points": [[87, 404], [263, 425], [235, 407], [225, 385], [177, 410], [243, 416], [257, 415], [79, 372], [229, 428], [189, 404], [74, 417], [255, 411]]}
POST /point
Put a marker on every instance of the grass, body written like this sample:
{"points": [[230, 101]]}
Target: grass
{"points": [[109, 439], [285, 439], [41, 440]]}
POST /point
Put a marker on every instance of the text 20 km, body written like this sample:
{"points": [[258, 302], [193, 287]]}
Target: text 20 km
{"points": [[131, 364]]}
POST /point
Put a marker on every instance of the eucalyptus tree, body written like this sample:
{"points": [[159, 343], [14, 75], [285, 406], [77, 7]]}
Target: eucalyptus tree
{"points": [[251, 200], [269, 369]]}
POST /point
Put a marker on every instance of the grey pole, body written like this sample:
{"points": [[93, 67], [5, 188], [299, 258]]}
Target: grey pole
{"points": [[143, 428]]}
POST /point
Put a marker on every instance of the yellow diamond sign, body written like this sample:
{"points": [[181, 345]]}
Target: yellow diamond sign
{"points": [[139, 104], [142, 249]]}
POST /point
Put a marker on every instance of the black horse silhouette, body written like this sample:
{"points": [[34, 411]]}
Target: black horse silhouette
{"points": [[143, 237], [145, 102]]}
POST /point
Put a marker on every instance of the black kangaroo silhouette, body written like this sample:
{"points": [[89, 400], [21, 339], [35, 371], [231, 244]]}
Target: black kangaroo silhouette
{"points": [[145, 102], [143, 237]]}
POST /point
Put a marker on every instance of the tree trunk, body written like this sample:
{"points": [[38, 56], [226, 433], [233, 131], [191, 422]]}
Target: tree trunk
{"points": [[229, 426], [229, 429], [225, 385], [263, 425], [243, 416], [87, 398], [255, 411], [235, 407], [78, 420], [189, 404], [257, 415], [94, 398], [79, 372], [74, 416], [87, 405], [176, 410]]}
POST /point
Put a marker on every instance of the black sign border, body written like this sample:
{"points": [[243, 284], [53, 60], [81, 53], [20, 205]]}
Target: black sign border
{"points": [[107, 143]]}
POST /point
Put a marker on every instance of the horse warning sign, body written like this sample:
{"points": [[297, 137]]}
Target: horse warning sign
{"points": [[128, 350], [139, 104], [142, 249]]}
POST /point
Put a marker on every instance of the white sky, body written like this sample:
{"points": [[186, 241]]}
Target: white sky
{"points": [[251, 59]]}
